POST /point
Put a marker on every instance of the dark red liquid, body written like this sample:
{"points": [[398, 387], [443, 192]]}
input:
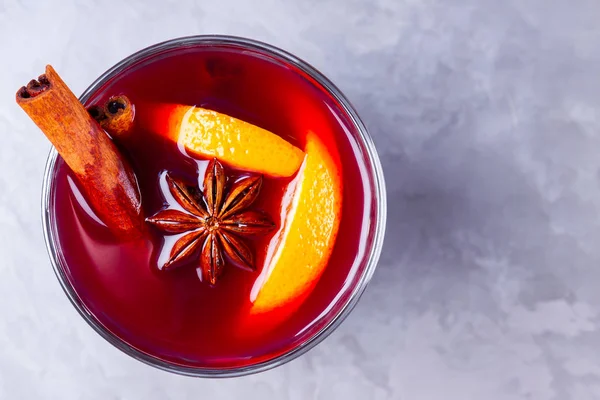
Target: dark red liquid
{"points": [[171, 315]]}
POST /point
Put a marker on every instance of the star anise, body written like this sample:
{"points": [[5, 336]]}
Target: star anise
{"points": [[213, 221]]}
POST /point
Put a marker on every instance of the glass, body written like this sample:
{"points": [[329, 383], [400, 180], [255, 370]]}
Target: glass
{"points": [[373, 228]]}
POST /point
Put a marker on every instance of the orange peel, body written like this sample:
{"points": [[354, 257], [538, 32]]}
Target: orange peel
{"points": [[305, 241], [237, 143]]}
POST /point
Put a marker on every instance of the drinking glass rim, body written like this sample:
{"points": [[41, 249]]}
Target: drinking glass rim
{"points": [[373, 255]]}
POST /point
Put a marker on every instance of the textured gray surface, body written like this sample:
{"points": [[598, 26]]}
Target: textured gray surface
{"points": [[486, 116]]}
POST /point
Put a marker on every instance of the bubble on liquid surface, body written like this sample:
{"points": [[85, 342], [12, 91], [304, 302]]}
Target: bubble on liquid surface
{"points": [[222, 69]]}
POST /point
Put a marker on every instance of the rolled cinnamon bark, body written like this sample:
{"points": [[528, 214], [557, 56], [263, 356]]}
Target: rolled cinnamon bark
{"points": [[104, 175]]}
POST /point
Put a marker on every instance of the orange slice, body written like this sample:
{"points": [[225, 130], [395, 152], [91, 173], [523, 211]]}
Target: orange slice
{"points": [[212, 134], [304, 243]]}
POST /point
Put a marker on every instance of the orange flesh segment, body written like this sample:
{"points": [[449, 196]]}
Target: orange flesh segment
{"points": [[238, 143], [305, 241]]}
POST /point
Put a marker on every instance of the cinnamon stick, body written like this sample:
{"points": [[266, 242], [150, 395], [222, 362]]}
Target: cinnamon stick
{"points": [[116, 116], [105, 177]]}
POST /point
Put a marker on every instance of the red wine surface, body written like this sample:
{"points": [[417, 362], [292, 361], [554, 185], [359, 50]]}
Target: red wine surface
{"points": [[171, 315]]}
